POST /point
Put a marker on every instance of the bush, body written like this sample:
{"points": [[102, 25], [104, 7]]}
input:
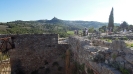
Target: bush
{"points": [[63, 34], [125, 38], [131, 45]]}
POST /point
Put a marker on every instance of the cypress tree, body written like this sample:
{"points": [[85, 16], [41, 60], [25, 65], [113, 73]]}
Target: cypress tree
{"points": [[111, 21]]}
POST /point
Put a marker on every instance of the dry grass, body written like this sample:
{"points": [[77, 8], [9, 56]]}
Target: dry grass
{"points": [[3, 27], [129, 42]]}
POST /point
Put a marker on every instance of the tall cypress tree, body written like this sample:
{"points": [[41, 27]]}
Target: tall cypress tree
{"points": [[111, 21]]}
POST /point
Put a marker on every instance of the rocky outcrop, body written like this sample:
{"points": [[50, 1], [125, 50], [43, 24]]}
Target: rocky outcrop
{"points": [[102, 56]]}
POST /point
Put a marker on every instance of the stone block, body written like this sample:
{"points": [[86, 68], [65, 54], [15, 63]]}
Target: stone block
{"points": [[129, 58]]}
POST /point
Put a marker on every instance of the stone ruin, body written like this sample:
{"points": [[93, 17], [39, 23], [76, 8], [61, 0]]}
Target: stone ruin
{"points": [[41, 54], [37, 54], [101, 56]]}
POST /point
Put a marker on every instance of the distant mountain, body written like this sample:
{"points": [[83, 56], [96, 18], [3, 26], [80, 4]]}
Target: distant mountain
{"points": [[66, 23], [76, 24]]}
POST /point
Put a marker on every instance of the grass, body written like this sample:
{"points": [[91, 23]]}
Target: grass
{"points": [[3, 57], [108, 40], [129, 43], [72, 32]]}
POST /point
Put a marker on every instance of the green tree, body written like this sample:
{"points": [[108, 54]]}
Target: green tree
{"points": [[91, 30], [103, 28], [124, 25], [111, 21]]}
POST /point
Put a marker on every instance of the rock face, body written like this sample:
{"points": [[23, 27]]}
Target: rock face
{"points": [[37, 54], [91, 56]]}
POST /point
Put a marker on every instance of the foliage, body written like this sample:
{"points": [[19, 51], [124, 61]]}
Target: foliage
{"points": [[102, 29], [70, 32], [62, 34], [124, 25], [3, 57], [55, 25], [109, 40], [124, 38], [111, 20], [129, 45], [91, 29]]}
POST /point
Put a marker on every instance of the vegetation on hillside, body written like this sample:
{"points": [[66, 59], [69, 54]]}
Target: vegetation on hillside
{"points": [[62, 27]]}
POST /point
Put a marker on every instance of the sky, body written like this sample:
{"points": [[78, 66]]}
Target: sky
{"points": [[87, 10]]}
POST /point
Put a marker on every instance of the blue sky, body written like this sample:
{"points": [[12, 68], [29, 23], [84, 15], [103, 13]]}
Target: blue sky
{"points": [[88, 10]]}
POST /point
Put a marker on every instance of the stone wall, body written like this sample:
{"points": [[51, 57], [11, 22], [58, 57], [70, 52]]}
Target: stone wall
{"points": [[101, 56], [37, 54], [42, 54]]}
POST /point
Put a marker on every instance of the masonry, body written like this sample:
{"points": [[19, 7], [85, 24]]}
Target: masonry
{"points": [[41, 54], [37, 54]]}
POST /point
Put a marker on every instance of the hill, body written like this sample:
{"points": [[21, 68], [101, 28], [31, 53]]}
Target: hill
{"points": [[75, 24], [54, 25]]}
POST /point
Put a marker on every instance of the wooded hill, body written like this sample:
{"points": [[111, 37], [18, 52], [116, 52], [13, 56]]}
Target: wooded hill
{"points": [[54, 25]]}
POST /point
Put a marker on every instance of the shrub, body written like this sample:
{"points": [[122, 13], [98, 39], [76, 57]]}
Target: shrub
{"points": [[131, 45], [125, 38]]}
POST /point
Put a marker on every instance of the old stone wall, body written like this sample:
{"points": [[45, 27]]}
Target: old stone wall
{"points": [[103, 57], [37, 54]]}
